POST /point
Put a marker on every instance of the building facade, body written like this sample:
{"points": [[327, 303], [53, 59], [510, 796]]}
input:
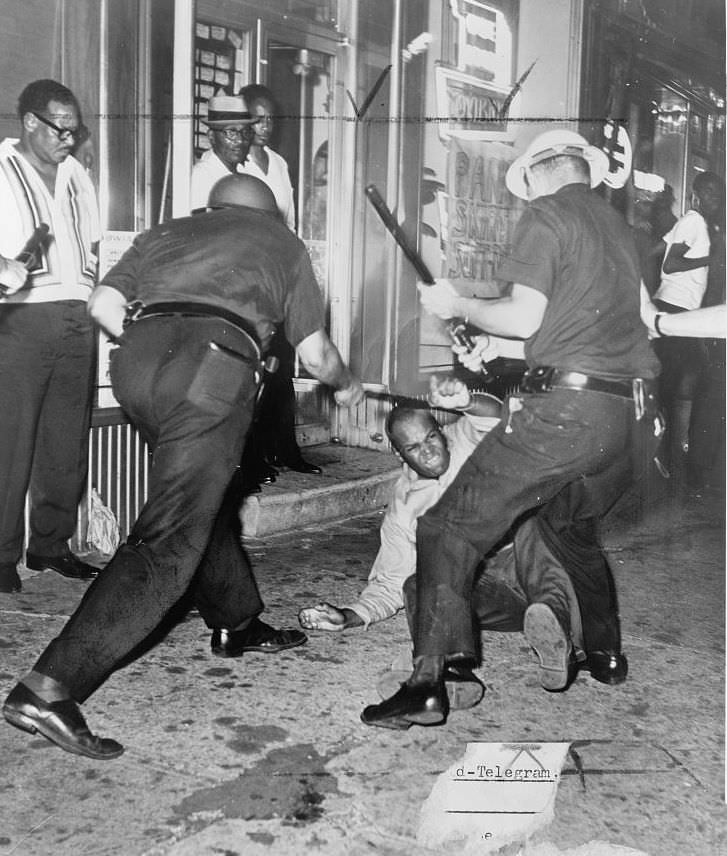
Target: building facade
{"points": [[427, 100]]}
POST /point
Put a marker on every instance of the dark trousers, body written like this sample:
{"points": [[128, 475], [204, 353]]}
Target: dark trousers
{"points": [[508, 581], [568, 532], [273, 435], [46, 376], [557, 438], [682, 362], [706, 460], [192, 401]]}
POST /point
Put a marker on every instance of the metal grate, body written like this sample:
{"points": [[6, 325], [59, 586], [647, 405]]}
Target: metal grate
{"points": [[118, 470]]}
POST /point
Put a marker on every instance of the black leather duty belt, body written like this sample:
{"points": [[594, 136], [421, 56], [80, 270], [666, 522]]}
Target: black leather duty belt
{"points": [[545, 378], [192, 309]]}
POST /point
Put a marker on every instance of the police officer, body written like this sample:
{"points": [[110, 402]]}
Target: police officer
{"points": [[208, 291], [587, 400]]}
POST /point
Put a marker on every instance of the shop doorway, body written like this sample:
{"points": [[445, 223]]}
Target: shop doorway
{"points": [[302, 81]]}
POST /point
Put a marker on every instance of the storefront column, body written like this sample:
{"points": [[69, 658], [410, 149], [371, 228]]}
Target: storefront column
{"points": [[182, 106], [552, 91], [393, 181]]}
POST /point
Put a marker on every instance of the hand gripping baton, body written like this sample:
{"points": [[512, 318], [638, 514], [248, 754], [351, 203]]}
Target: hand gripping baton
{"points": [[456, 327], [26, 256]]}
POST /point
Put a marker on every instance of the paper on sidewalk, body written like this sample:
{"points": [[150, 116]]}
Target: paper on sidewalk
{"points": [[496, 794]]}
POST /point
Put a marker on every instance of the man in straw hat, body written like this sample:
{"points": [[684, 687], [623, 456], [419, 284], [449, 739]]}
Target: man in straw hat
{"points": [[230, 129], [586, 403]]}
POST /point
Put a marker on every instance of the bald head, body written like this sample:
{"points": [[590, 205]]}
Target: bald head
{"points": [[238, 190]]}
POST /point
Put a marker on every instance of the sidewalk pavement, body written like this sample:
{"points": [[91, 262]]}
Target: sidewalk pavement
{"points": [[266, 754]]}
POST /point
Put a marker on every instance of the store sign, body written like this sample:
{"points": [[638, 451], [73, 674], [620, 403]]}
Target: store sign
{"points": [[617, 146], [484, 40], [481, 213], [469, 108]]}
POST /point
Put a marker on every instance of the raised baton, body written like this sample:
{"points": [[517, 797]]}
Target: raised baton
{"points": [[456, 327]]}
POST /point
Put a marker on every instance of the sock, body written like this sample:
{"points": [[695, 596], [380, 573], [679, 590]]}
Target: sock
{"points": [[44, 687]]}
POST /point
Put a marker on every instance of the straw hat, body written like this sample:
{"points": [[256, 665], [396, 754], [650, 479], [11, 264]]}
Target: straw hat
{"points": [[551, 144], [228, 111]]}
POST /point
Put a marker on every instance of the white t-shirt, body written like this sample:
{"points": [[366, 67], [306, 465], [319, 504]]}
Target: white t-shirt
{"points": [[208, 170], [277, 179], [686, 288]]}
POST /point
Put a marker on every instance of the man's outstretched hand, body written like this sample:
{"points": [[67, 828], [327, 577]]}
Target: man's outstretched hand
{"points": [[325, 616]]}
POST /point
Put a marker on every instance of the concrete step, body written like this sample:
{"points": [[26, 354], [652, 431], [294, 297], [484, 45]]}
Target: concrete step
{"points": [[354, 481]]}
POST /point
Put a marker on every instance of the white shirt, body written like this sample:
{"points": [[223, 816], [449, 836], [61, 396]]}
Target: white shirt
{"points": [[412, 496], [208, 170], [686, 288], [68, 265], [277, 179]]}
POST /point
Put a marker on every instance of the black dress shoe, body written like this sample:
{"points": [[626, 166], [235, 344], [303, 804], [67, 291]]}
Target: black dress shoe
{"points": [[550, 642], [608, 667], [9, 579], [67, 565], [60, 721], [265, 474], [421, 704], [257, 636], [298, 465], [464, 688]]}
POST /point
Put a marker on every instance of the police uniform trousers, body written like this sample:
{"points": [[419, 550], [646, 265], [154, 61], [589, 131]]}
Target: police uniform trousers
{"points": [[189, 386], [46, 381], [558, 439]]}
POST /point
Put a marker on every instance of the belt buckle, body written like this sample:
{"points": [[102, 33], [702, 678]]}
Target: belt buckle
{"points": [[543, 379], [532, 381]]}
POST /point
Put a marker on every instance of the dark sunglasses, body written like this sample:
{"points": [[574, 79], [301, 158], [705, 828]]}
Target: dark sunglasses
{"points": [[63, 134]]}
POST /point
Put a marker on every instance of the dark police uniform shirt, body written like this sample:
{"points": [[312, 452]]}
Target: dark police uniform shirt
{"points": [[241, 259], [574, 248]]}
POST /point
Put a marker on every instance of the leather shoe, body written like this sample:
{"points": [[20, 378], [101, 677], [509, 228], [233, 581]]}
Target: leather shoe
{"points": [[257, 636], [551, 644], [9, 579], [608, 667], [266, 474], [67, 565], [464, 688], [420, 704], [60, 721], [298, 465]]}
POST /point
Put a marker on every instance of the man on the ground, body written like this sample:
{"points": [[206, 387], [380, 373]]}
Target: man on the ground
{"points": [[513, 576]]}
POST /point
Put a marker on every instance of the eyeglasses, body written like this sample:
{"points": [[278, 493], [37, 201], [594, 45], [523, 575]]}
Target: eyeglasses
{"points": [[63, 134], [232, 135]]}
